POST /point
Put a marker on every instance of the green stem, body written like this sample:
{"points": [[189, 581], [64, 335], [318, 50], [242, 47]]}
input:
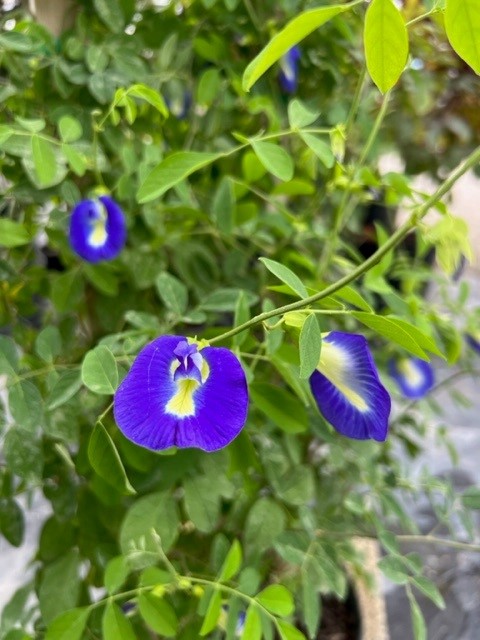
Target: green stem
{"points": [[355, 102], [395, 239], [428, 539]]}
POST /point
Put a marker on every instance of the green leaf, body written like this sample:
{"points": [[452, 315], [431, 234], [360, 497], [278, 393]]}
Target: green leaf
{"points": [[311, 604], [173, 293], [157, 511], [44, 161], [158, 614], [471, 498], [393, 330], [232, 563], [252, 629], [289, 632], [23, 454], [320, 148], [110, 12], [462, 24], [295, 31], [418, 621], [115, 624], [421, 338], [287, 276], [53, 595], [299, 115], [149, 95], [309, 345], [225, 299], [5, 132], [12, 522], [65, 388], [274, 158], [99, 371], [266, 520], [67, 290], [242, 315], [13, 234], [428, 588], [223, 206], [16, 41], [280, 406], [26, 405], [202, 503], [48, 343], [106, 461], [386, 43], [277, 599], [68, 625], [70, 129], [212, 615], [116, 572], [76, 160], [171, 171], [394, 569]]}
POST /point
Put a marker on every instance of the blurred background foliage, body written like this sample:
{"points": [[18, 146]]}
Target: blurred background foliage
{"points": [[78, 119]]}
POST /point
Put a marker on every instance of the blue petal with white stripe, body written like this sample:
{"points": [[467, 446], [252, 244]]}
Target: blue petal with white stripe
{"points": [[177, 395], [97, 229], [414, 377], [347, 389], [288, 75]]}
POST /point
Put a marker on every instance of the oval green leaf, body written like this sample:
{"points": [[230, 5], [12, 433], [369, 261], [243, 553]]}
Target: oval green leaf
{"points": [[171, 171], [462, 24], [116, 625], [43, 161], [68, 625], [286, 275], [275, 159], [386, 43], [99, 371], [309, 345], [106, 460], [277, 599], [158, 614]]}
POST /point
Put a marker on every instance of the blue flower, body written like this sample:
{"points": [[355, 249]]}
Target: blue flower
{"points": [[415, 377], [177, 395], [239, 627], [288, 75], [347, 389], [97, 229]]}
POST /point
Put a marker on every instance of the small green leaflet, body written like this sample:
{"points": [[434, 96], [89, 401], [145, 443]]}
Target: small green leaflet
{"points": [[149, 95], [275, 159], [43, 160], [309, 345], [173, 292], [99, 371], [418, 621], [299, 115], [12, 234], [70, 129], [320, 148], [386, 43], [213, 613], [393, 330], [253, 625], [295, 31], [106, 460], [232, 562], [68, 625], [158, 614], [287, 276], [428, 588], [115, 624], [171, 171], [277, 599], [462, 23]]}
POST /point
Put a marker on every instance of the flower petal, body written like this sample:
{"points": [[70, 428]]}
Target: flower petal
{"points": [[288, 75], [97, 229], [473, 340], [156, 411], [415, 377], [347, 388]]}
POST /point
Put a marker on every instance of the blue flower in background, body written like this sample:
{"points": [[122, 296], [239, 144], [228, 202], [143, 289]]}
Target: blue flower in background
{"points": [[239, 627], [415, 377], [97, 229], [347, 389], [176, 395], [288, 75], [473, 339]]}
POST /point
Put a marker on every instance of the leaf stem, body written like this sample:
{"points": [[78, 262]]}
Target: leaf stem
{"points": [[396, 238]]}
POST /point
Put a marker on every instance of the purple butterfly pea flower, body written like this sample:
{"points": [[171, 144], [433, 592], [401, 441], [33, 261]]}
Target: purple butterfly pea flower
{"points": [[347, 389], [97, 229], [177, 395], [288, 75], [414, 376]]}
